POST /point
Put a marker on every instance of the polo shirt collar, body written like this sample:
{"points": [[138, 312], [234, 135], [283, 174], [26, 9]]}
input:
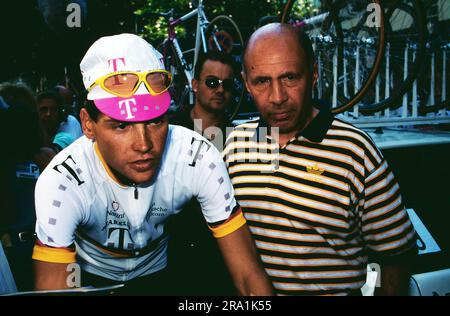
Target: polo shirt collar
{"points": [[317, 129]]}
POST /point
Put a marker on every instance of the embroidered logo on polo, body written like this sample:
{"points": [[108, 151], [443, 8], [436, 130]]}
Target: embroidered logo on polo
{"points": [[315, 169]]}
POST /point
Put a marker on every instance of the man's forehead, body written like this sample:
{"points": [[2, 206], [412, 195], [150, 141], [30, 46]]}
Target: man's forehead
{"points": [[214, 65], [274, 48], [105, 118], [274, 62]]}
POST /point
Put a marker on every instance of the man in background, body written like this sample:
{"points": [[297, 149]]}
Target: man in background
{"points": [[193, 252]]}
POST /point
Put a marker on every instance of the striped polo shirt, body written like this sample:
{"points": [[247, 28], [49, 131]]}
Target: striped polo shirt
{"points": [[318, 206]]}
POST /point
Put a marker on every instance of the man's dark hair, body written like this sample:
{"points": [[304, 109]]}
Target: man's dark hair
{"points": [[92, 110], [221, 57], [53, 95]]}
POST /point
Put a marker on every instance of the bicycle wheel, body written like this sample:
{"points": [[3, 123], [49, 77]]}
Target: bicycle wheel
{"points": [[180, 88], [223, 34], [405, 50], [348, 39]]}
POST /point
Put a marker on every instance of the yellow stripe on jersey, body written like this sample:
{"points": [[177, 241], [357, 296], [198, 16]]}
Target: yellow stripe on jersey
{"points": [[55, 255], [229, 226]]}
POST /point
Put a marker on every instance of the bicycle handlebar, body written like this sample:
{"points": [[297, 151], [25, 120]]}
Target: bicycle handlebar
{"points": [[167, 14]]}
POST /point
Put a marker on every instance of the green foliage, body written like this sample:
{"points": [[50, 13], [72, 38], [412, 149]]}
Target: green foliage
{"points": [[304, 8], [245, 13]]}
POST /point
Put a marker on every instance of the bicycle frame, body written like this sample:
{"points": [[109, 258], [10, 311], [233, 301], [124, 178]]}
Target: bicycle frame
{"points": [[312, 21], [202, 23], [207, 35]]}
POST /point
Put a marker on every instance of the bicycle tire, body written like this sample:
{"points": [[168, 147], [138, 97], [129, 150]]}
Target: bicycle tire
{"points": [[234, 42], [397, 14], [343, 27], [434, 108]]}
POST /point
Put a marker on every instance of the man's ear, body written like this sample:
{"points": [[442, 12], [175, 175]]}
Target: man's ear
{"points": [[194, 83], [315, 75], [87, 124]]}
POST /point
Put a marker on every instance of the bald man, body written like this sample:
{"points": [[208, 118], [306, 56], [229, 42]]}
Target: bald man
{"points": [[318, 195]]}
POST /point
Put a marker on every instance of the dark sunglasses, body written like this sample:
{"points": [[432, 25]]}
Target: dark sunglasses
{"points": [[214, 82]]}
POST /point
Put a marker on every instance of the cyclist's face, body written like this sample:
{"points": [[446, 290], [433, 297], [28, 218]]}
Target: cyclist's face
{"points": [[213, 99], [277, 76], [132, 150]]}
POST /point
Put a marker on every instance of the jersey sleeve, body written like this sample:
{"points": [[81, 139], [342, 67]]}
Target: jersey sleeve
{"points": [[214, 191], [386, 227], [59, 211]]}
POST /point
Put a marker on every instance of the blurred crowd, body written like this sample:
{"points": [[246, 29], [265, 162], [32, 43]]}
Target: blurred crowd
{"points": [[34, 128]]}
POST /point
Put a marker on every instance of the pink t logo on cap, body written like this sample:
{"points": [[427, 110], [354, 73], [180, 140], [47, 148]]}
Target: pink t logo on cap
{"points": [[139, 108], [114, 62], [127, 107]]}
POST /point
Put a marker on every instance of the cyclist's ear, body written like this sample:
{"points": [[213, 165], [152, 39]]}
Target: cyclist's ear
{"points": [[86, 124], [194, 83]]}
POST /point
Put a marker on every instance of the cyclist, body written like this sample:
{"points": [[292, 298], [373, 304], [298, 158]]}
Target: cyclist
{"points": [[103, 202]]}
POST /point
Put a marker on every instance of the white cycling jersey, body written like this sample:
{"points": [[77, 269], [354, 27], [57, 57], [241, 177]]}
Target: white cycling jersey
{"points": [[119, 231]]}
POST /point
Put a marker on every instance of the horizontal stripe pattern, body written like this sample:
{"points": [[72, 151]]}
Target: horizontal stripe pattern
{"points": [[315, 210]]}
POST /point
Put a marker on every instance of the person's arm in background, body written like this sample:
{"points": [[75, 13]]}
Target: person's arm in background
{"points": [[243, 262], [45, 154], [394, 280], [43, 157], [395, 274]]}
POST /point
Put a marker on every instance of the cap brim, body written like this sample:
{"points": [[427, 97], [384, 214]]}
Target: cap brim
{"points": [[137, 108]]}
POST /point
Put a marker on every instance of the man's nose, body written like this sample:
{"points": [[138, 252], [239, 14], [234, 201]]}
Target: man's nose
{"points": [[142, 140], [277, 93], [220, 88]]}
